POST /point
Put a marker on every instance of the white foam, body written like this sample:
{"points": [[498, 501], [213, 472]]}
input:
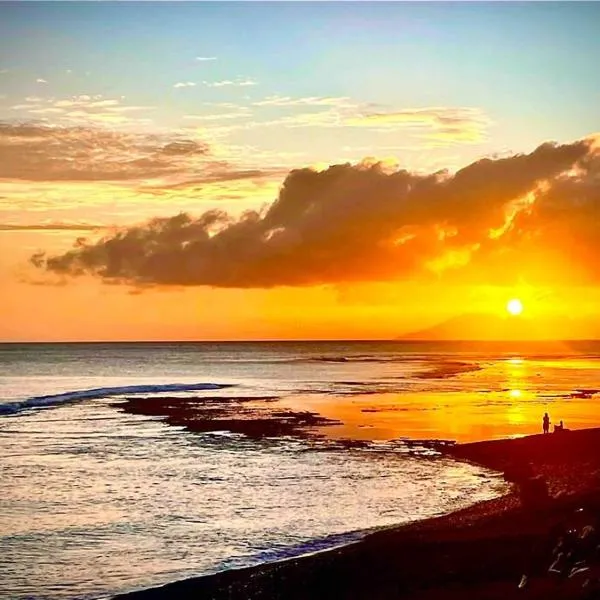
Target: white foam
{"points": [[9, 408], [284, 552]]}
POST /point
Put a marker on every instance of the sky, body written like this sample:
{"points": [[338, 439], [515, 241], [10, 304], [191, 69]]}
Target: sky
{"points": [[295, 170]]}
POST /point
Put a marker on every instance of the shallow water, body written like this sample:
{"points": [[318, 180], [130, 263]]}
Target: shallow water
{"points": [[96, 500]]}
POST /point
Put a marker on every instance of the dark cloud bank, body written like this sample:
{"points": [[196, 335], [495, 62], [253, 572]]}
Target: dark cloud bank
{"points": [[364, 223]]}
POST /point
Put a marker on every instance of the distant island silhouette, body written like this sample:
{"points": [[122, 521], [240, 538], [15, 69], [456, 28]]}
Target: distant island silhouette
{"points": [[486, 327]]}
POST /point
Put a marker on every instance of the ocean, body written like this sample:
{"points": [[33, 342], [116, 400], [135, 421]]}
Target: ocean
{"points": [[130, 465]]}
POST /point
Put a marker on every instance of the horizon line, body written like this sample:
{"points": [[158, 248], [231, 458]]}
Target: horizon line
{"points": [[399, 340]]}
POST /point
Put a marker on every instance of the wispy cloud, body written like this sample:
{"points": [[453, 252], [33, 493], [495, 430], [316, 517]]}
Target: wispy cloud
{"points": [[438, 124], [430, 126], [40, 80], [326, 118], [205, 58], [34, 155], [441, 116], [199, 185], [46, 111], [227, 111], [84, 107], [87, 101], [308, 101], [184, 84], [230, 82], [218, 116], [34, 152], [50, 226]]}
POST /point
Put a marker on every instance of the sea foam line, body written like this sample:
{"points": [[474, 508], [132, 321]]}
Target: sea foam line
{"points": [[9, 408]]}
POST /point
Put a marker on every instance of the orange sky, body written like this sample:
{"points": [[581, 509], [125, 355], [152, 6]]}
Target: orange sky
{"points": [[344, 252], [221, 198]]}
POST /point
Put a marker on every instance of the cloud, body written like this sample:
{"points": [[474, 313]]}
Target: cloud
{"points": [[439, 124], [156, 163], [83, 108], [40, 80], [308, 101], [328, 118], [53, 226], [217, 175], [45, 111], [184, 84], [205, 58], [36, 152], [85, 101], [242, 114], [432, 127], [230, 82], [366, 222], [184, 148], [556, 228]]}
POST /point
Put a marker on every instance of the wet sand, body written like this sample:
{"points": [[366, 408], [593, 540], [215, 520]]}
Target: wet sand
{"points": [[451, 415], [477, 553]]}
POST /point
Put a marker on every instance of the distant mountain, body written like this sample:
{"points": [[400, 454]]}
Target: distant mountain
{"points": [[478, 326]]}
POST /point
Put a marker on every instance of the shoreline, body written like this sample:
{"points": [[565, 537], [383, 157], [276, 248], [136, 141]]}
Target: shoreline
{"points": [[477, 552]]}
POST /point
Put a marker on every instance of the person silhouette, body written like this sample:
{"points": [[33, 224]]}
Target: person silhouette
{"points": [[560, 428], [546, 423]]}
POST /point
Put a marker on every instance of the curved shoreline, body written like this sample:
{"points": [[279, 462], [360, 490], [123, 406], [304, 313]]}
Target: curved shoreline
{"points": [[477, 552]]}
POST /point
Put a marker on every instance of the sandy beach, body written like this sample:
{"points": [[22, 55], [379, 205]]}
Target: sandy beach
{"points": [[480, 552]]}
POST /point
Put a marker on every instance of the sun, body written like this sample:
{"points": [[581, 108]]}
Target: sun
{"points": [[514, 306]]}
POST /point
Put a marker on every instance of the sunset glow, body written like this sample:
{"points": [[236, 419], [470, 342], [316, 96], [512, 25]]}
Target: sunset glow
{"points": [[325, 199]]}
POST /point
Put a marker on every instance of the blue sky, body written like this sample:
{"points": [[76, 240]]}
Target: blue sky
{"points": [[525, 64], [283, 84]]}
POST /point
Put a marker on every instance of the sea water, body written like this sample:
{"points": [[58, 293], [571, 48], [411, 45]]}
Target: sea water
{"points": [[97, 501]]}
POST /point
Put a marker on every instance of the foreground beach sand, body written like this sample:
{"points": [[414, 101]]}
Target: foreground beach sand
{"points": [[477, 553]]}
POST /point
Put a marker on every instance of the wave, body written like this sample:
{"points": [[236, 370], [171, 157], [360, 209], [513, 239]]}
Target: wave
{"points": [[319, 359], [446, 369], [335, 358], [283, 552], [9, 408], [325, 358], [360, 358], [313, 359]]}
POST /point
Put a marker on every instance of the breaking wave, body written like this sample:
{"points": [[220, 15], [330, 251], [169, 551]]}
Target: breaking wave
{"points": [[360, 358], [283, 552], [9, 408]]}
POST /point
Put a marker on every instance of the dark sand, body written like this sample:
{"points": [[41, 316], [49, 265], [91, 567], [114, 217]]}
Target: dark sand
{"points": [[476, 553]]}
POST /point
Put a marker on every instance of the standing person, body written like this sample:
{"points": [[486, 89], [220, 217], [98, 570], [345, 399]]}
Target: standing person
{"points": [[546, 423]]}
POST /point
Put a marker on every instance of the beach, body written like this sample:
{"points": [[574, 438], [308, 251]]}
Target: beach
{"points": [[221, 464], [480, 552]]}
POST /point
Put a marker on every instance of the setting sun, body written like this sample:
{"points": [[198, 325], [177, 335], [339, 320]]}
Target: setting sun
{"points": [[514, 307]]}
